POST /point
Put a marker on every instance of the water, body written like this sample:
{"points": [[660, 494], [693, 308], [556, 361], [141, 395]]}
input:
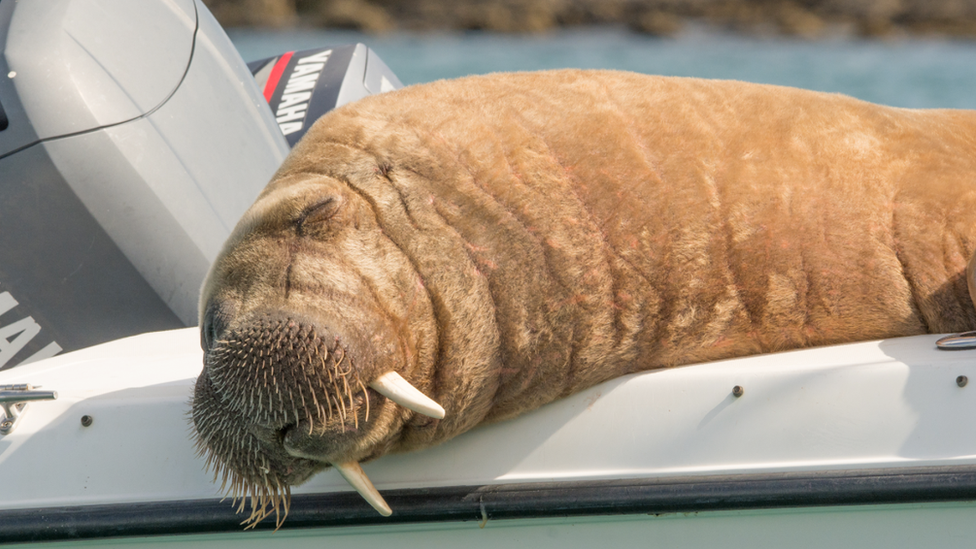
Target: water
{"points": [[916, 72]]}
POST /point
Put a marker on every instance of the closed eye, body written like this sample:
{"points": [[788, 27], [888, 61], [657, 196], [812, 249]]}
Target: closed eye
{"points": [[317, 213], [208, 331], [214, 324]]}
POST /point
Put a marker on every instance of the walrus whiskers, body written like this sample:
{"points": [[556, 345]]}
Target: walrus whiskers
{"points": [[260, 496], [315, 401], [277, 495], [365, 397]]}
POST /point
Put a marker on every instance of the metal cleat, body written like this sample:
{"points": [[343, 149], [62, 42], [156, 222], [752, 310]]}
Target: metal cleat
{"points": [[14, 400]]}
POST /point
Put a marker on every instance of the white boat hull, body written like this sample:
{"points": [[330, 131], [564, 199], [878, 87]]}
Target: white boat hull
{"points": [[827, 446]]}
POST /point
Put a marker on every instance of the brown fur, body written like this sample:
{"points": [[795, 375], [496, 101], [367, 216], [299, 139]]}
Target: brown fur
{"points": [[506, 240]]}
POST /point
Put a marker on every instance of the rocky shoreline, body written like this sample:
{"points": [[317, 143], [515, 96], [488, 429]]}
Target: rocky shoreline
{"points": [[802, 18]]}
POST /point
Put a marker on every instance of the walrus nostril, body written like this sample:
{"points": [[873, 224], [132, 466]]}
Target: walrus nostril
{"points": [[281, 433]]}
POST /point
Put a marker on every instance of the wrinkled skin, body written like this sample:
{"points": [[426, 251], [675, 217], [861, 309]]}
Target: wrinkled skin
{"points": [[504, 241]]}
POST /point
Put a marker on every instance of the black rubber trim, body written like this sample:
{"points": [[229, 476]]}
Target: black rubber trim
{"points": [[509, 501]]}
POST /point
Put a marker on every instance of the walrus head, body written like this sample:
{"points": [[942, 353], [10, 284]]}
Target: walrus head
{"points": [[317, 338]]}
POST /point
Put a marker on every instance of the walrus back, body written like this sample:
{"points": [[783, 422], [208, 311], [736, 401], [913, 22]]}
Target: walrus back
{"points": [[573, 227]]}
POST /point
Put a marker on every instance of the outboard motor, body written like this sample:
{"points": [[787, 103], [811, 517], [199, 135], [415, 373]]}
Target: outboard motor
{"points": [[132, 138], [302, 86]]}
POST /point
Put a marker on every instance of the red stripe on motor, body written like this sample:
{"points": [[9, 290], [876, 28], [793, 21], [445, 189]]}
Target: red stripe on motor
{"points": [[275, 76]]}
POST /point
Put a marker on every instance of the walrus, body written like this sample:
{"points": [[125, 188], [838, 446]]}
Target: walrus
{"points": [[456, 253]]}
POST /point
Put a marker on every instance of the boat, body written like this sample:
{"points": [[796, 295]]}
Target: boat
{"points": [[831, 446], [850, 445]]}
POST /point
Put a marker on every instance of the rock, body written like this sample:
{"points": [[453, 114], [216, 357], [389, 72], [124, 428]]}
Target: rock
{"points": [[253, 13], [656, 23], [803, 18], [794, 20], [354, 14]]}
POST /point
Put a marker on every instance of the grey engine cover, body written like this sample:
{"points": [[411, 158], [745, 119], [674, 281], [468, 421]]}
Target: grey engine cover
{"points": [[133, 138]]}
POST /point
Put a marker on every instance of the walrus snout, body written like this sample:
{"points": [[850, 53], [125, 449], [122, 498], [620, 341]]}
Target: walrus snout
{"points": [[290, 382], [280, 370], [299, 399]]}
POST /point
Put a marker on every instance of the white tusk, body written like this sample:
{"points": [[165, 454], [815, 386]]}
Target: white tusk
{"points": [[354, 475], [394, 387]]}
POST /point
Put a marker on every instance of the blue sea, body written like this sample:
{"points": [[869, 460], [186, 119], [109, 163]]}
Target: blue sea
{"points": [[904, 72]]}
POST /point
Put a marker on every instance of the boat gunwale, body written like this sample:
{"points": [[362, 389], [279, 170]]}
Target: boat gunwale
{"points": [[533, 500]]}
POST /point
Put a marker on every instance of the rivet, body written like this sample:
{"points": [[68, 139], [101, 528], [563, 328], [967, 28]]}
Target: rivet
{"points": [[962, 381], [737, 391], [86, 421]]}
